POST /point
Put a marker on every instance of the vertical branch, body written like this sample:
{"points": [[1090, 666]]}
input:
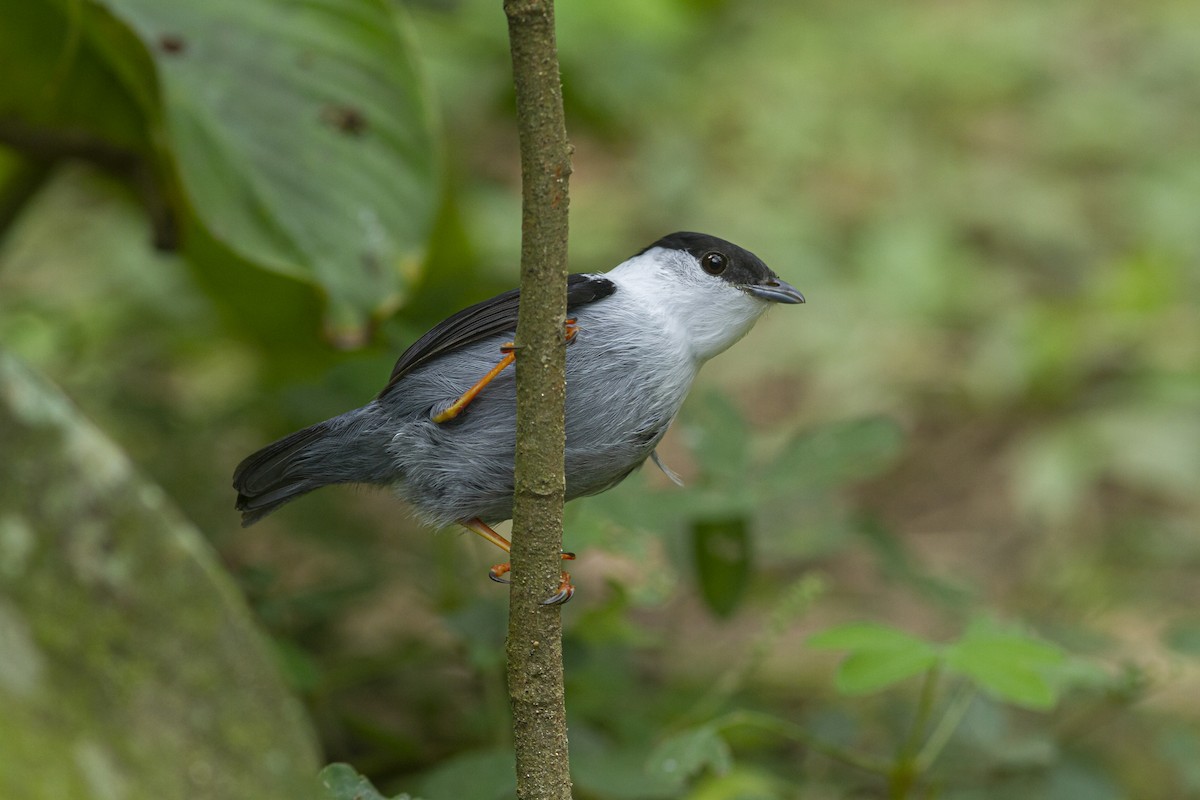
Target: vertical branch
{"points": [[535, 673]]}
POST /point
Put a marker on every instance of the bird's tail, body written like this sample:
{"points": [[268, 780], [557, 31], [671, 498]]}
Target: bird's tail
{"points": [[338, 450]]}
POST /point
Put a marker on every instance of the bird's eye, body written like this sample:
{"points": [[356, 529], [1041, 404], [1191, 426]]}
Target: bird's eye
{"points": [[714, 263]]}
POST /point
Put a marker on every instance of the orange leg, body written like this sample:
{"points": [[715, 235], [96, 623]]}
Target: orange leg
{"points": [[459, 405], [497, 572]]}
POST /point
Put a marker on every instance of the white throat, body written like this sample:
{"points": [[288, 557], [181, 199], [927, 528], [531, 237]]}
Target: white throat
{"points": [[702, 313]]}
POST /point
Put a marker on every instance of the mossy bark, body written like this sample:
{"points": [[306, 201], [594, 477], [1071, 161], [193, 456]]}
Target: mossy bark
{"points": [[129, 665], [535, 673]]}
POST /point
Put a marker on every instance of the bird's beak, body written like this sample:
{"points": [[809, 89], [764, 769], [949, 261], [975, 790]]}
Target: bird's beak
{"points": [[775, 291]]}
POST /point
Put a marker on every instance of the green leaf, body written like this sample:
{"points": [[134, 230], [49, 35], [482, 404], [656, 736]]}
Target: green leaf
{"points": [[837, 454], [722, 552], [867, 671], [302, 137], [880, 655], [342, 782], [1008, 664], [686, 754], [863, 636]]}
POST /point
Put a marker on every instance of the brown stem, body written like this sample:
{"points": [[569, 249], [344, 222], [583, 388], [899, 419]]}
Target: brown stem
{"points": [[535, 672]]}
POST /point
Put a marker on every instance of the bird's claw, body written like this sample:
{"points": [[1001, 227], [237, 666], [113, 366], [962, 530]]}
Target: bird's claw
{"points": [[565, 591]]}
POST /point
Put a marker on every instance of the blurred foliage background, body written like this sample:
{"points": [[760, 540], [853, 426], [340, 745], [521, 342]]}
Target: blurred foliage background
{"points": [[220, 222]]}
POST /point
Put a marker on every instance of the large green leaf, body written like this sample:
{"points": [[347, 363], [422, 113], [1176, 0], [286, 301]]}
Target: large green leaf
{"points": [[130, 665], [302, 138], [59, 93]]}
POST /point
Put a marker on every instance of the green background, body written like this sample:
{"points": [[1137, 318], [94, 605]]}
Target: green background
{"points": [[980, 437]]}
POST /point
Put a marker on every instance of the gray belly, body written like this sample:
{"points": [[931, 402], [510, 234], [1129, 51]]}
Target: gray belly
{"points": [[618, 409]]}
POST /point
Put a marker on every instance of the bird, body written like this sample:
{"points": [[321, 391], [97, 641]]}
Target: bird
{"points": [[442, 432]]}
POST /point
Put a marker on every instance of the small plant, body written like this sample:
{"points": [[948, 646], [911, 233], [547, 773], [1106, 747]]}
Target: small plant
{"points": [[1001, 662]]}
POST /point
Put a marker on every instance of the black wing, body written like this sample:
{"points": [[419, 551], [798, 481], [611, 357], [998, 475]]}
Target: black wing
{"points": [[486, 319]]}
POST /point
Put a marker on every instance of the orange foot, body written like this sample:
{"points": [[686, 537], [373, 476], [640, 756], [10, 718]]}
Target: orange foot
{"points": [[499, 571]]}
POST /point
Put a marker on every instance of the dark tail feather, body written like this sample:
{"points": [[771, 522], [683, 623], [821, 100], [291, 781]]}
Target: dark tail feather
{"points": [[351, 448], [279, 472]]}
